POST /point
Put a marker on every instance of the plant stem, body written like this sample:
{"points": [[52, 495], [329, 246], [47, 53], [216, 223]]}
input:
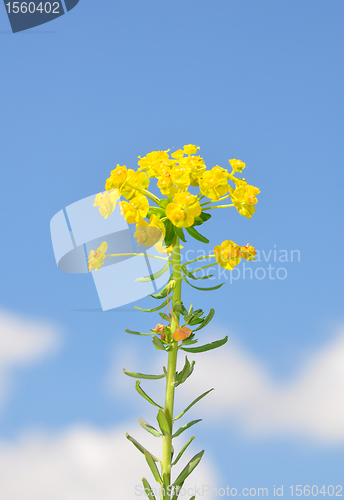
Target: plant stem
{"points": [[218, 206], [138, 254], [171, 368]]}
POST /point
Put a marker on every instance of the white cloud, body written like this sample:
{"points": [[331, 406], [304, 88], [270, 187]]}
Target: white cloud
{"points": [[22, 342], [310, 404], [84, 464]]}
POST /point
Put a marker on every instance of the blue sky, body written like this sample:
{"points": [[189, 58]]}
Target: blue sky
{"points": [[260, 81]]}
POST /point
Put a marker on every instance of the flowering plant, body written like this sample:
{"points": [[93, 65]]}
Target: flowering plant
{"points": [[189, 191]]}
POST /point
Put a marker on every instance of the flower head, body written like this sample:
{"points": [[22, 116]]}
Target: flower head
{"points": [[155, 163], [244, 198], [136, 209], [165, 184], [248, 252], [96, 257], [117, 178], [237, 165], [106, 202], [228, 254], [148, 234], [183, 209], [214, 183], [137, 179], [190, 149]]}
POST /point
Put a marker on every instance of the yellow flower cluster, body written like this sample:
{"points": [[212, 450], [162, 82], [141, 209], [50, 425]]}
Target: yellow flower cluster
{"points": [[96, 257], [229, 254]]}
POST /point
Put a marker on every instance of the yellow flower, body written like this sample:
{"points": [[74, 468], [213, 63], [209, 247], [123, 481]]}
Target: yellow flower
{"points": [[136, 209], [214, 183], [228, 254], [148, 234], [117, 178], [181, 333], [106, 202], [196, 167], [96, 257], [181, 176], [237, 165], [183, 209], [165, 184], [248, 252], [155, 163], [178, 154], [244, 199], [190, 149], [137, 179]]}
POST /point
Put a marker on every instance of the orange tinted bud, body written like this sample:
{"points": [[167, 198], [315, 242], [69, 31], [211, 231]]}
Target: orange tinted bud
{"points": [[181, 333]]}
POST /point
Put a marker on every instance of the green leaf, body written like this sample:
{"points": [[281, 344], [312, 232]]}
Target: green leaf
{"points": [[141, 448], [144, 395], [153, 468], [163, 292], [191, 404], [195, 234], [137, 333], [149, 428], [205, 216], [179, 307], [159, 212], [148, 490], [185, 373], [189, 468], [180, 233], [165, 317], [150, 310], [185, 426], [206, 320], [163, 424], [142, 375], [204, 289], [152, 277], [158, 344], [206, 347], [191, 276], [169, 236], [182, 450], [201, 219]]}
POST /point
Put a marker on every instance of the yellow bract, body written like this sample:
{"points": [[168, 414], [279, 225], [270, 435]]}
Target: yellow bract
{"points": [[183, 209], [237, 165], [137, 179], [148, 234], [190, 149], [96, 257], [136, 210], [166, 186], [228, 254], [248, 252], [244, 198], [214, 183], [155, 163], [117, 178], [106, 202]]}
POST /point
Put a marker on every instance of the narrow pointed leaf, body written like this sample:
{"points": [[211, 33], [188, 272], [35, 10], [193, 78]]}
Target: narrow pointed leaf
{"points": [[137, 333], [156, 275], [149, 428], [206, 347], [169, 236], [191, 404], [201, 219], [165, 317], [158, 344], [148, 490], [204, 289], [144, 395], [185, 426], [163, 424], [142, 375], [151, 310], [189, 468], [207, 320], [177, 489], [182, 450], [180, 233], [153, 468], [195, 234], [141, 448], [190, 275]]}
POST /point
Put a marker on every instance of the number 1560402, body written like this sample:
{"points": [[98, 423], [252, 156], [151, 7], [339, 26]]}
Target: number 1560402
{"points": [[31, 7]]}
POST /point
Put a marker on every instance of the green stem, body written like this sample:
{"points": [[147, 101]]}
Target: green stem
{"points": [[138, 254], [145, 193], [218, 206], [171, 367]]}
